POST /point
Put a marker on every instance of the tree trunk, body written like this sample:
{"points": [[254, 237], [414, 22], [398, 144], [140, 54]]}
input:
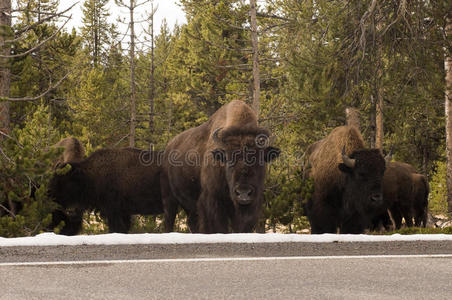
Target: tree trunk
{"points": [[352, 117], [379, 133], [133, 109], [5, 76], [373, 121], [151, 83], [254, 42], [448, 108]]}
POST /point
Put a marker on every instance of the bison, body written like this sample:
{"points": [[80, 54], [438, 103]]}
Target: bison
{"points": [[347, 182], [116, 182], [73, 151], [405, 194], [216, 171]]}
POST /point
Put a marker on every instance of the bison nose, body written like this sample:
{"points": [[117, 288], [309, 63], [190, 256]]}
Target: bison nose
{"points": [[243, 194], [376, 198]]}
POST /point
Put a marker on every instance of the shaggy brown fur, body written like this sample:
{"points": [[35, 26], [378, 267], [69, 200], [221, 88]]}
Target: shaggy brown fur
{"points": [[405, 194], [198, 176], [115, 182], [328, 155], [73, 150], [343, 197], [421, 190]]}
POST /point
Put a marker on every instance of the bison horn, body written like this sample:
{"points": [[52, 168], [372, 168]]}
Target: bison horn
{"points": [[215, 137], [349, 162]]}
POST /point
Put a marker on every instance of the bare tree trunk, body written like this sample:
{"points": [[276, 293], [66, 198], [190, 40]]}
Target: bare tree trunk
{"points": [[5, 76], [133, 109], [448, 108], [379, 133], [152, 85], [379, 130], [254, 42], [373, 125], [352, 116]]}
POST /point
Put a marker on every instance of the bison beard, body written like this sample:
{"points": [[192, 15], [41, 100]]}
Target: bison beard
{"points": [[224, 189], [116, 183], [347, 183]]}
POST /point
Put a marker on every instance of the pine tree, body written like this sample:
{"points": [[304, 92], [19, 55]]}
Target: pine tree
{"points": [[96, 29]]}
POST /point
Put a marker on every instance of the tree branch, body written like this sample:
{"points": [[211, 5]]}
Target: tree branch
{"points": [[51, 88], [37, 46]]}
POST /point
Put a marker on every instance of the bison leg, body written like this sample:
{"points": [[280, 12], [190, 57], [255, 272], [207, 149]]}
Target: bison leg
{"points": [[192, 220], [170, 204], [119, 223], [322, 217], [408, 216], [72, 222], [420, 219], [420, 214], [397, 216], [353, 225], [212, 216]]}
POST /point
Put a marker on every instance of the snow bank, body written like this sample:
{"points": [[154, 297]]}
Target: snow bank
{"points": [[51, 239]]}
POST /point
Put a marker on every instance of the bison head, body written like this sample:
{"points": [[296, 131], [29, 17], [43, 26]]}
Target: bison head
{"points": [[243, 154], [67, 185], [363, 171]]}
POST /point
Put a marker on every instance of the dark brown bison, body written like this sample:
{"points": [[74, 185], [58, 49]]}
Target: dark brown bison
{"points": [[216, 171], [116, 182], [347, 182], [405, 194], [73, 151]]}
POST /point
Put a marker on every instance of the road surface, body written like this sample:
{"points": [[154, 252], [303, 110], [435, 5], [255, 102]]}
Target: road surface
{"points": [[366, 270]]}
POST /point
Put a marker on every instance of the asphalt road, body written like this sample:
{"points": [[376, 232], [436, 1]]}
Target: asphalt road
{"points": [[389, 270]]}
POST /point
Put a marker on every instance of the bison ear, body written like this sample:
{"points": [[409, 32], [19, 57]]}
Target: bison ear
{"points": [[219, 155], [271, 153], [343, 167]]}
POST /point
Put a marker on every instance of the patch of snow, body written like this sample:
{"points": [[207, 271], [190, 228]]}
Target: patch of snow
{"points": [[52, 239]]}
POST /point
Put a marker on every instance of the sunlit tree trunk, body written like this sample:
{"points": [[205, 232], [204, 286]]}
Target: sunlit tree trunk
{"points": [[256, 74], [5, 24], [151, 81], [448, 107], [352, 116], [133, 108]]}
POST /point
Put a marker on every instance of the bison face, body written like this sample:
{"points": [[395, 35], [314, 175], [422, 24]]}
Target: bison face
{"points": [[243, 159], [363, 171], [66, 186]]}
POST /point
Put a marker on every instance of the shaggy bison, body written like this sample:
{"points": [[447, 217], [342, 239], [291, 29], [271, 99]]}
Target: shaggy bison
{"points": [[405, 194], [116, 182], [73, 151], [216, 171], [347, 182]]}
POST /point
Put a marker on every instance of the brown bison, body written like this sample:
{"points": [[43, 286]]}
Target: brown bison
{"points": [[347, 182], [116, 182], [405, 194], [216, 171], [73, 151]]}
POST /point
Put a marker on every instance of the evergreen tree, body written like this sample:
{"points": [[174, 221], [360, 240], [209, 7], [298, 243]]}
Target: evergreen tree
{"points": [[96, 30]]}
